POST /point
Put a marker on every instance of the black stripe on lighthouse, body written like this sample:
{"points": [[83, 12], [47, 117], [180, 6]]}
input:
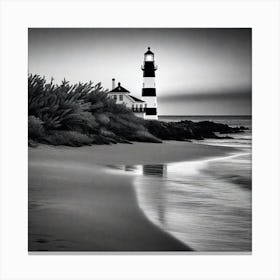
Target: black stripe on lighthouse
{"points": [[148, 92], [151, 111], [149, 69]]}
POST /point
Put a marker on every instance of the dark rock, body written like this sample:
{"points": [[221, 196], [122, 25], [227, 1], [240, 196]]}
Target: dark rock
{"points": [[184, 130]]}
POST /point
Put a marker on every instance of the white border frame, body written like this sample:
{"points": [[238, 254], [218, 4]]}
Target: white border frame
{"points": [[17, 16]]}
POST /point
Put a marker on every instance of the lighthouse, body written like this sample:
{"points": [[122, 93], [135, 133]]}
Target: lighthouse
{"points": [[149, 86]]}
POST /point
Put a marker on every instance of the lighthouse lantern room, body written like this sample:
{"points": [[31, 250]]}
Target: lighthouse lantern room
{"points": [[149, 86]]}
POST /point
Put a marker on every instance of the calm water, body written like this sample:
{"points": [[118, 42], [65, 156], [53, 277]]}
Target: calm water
{"points": [[206, 203]]}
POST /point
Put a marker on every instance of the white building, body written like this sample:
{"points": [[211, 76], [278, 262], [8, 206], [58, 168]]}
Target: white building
{"points": [[123, 96]]}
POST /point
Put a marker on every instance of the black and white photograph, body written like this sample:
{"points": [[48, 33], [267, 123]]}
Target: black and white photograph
{"points": [[139, 140]]}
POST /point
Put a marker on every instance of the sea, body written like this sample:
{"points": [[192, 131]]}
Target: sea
{"points": [[207, 204]]}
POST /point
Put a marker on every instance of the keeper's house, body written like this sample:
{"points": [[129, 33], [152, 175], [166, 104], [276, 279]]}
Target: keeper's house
{"points": [[123, 96]]}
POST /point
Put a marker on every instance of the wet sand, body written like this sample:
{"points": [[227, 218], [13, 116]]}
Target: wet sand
{"points": [[75, 205]]}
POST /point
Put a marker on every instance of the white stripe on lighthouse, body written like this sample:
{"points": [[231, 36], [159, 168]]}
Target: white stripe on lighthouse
{"points": [[151, 101], [149, 82], [151, 117]]}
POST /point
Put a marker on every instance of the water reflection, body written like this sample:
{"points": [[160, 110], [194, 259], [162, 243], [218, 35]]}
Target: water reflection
{"points": [[130, 167], [157, 192], [159, 170]]}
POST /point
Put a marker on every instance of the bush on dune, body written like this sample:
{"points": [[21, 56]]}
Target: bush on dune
{"points": [[35, 128], [144, 136], [68, 138], [129, 127], [59, 107]]}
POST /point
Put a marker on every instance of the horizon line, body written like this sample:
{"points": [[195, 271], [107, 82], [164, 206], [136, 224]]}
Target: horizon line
{"points": [[205, 115]]}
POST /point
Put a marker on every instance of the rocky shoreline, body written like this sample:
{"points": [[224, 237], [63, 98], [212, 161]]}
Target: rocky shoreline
{"points": [[188, 130], [154, 132]]}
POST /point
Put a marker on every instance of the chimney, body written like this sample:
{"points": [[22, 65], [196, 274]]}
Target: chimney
{"points": [[113, 83]]}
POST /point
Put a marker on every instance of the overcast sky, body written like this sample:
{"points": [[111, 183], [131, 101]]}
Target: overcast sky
{"points": [[200, 71]]}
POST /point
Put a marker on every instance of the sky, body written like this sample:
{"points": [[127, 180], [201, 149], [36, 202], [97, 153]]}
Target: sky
{"points": [[201, 71]]}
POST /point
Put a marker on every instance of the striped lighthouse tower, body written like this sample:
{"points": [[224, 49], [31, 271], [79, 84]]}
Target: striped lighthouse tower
{"points": [[149, 86]]}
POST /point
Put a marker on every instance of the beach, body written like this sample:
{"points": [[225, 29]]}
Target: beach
{"points": [[76, 205]]}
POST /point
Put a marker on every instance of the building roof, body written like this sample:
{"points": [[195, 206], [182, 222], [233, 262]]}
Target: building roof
{"points": [[119, 88], [136, 99], [149, 51]]}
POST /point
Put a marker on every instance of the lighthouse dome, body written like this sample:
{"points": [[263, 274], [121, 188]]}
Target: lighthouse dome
{"points": [[149, 55], [149, 51]]}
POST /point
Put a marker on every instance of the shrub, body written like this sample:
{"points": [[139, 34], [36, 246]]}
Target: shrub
{"points": [[145, 136], [61, 106], [35, 128], [68, 138], [103, 131], [101, 140], [102, 118]]}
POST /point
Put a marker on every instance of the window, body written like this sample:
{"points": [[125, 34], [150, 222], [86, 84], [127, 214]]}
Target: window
{"points": [[121, 97], [149, 57], [115, 97]]}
